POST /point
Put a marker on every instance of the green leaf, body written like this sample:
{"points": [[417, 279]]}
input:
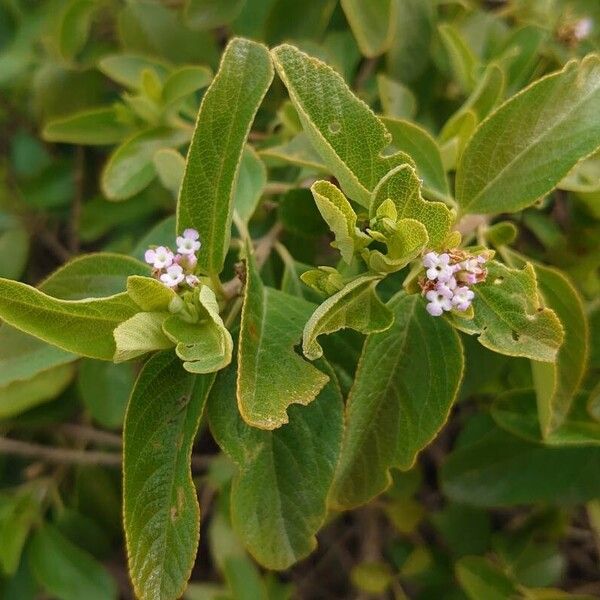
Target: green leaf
{"points": [[341, 218], [494, 468], [298, 151], [356, 306], [23, 356], [484, 98], [423, 149], [74, 27], [81, 326], [251, 181], [224, 120], [90, 127], [206, 345], [209, 14], [463, 61], [271, 375], [65, 571], [479, 578], [140, 334], [407, 380], [371, 23], [278, 495], [510, 317], [46, 384], [185, 81], [18, 513], [409, 54], [126, 69], [343, 130], [397, 100], [130, 167], [170, 166], [402, 186], [14, 247], [545, 130], [149, 293], [93, 276], [160, 508], [405, 240], [557, 383], [105, 389], [517, 413]]}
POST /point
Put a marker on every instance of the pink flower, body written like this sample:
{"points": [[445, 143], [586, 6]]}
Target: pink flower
{"points": [[159, 258], [173, 277], [189, 242], [438, 266]]}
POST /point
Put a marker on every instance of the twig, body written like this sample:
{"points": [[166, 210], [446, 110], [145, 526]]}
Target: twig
{"points": [[58, 455], [89, 434], [199, 462], [367, 68]]}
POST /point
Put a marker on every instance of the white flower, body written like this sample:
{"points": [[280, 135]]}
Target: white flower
{"points": [[192, 280], [188, 243], [173, 277], [438, 266], [462, 297], [440, 300], [159, 258]]}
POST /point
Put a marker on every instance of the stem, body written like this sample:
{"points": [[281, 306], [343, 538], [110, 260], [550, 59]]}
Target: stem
{"points": [[78, 457], [77, 200]]}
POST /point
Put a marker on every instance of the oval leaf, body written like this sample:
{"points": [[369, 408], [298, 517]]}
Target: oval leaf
{"points": [[160, 508]]}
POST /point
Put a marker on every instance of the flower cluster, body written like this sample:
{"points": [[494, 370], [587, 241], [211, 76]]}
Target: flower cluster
{"points": [[448, 278], [176, 269]]}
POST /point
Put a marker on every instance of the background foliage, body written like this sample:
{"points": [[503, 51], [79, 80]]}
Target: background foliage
{"points": [[411, 456]]}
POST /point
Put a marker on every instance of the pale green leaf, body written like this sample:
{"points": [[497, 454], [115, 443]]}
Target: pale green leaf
{"points": [[278, 495], [130, 167], [298, 151], [206, 345], [517, 413], [224, 120], [140, 334], [423, 149], [481, 102], [93, 276], [91, 127], [406, 383], [160, 508], [271, 375], [209, 14], [149, 293], [341, 218], [18, 513], [405, 241], [371, 23], [524, 148], [356, 306], [170, 166], [65, 571], [81, 326], [342, 128], [185, 81], [251, 181], [557, 383], [510, 317], [74, 27], [23, 356], [126, 69], [46, 384], [402, 186], [397, 100], [463, 61]]}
